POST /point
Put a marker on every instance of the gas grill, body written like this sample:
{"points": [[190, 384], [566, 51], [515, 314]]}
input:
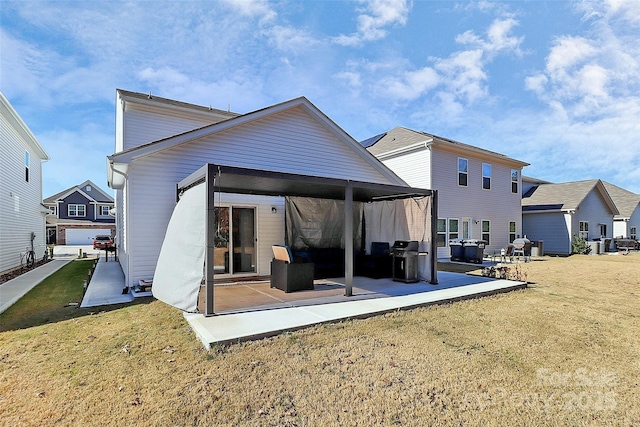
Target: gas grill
{"points": [[405, 261]]}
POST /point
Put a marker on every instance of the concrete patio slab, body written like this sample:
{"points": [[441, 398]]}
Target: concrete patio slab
{"points": [[276, 318]]}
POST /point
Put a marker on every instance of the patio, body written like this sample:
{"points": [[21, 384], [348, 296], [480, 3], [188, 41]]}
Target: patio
{"points": [[254, 310]]}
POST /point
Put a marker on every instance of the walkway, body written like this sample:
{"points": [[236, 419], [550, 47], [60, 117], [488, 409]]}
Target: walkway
{"points": [[106, 285], [14, 289]]}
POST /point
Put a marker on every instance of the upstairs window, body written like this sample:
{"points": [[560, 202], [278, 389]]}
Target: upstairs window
{"points": [[26, 166], [584, 230], [77, 210], [512, 231], [486, 231], [462, 171], [104, 210], [514, 181], [486, 176], [52, 210]]}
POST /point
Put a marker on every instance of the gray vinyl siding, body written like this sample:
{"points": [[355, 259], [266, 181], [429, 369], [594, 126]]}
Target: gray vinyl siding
{"points": [[20, 201], [290, 141], [550, 227], [414, 168], [497, 205], [594, 210]]}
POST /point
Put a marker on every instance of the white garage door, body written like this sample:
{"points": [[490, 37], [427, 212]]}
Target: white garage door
{"points": [[84, 236]]}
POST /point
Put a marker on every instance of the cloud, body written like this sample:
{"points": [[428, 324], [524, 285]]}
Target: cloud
{"points": [[375, 17]]}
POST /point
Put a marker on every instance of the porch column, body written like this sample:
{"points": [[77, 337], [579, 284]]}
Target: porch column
{"points": [[209, 223], [348, 239], [434, 237]]}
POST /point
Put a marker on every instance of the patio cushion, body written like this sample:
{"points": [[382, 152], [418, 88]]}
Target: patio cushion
{"points": [[282, 253]]}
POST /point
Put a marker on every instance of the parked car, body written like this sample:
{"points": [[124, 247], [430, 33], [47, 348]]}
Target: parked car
{"points": [[102, 242]]}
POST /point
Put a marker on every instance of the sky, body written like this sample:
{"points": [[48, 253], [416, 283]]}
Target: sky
{"points": [[555, 84]]}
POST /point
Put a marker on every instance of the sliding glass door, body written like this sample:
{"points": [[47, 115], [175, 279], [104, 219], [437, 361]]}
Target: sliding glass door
{"points": [[235, 240]]}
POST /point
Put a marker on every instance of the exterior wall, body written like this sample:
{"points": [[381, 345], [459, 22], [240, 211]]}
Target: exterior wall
{"points": [[414, 168], [594, 210], [498, 205], [550, 227], [76, 198], [290, 141], [20, 201], [142, 124]]}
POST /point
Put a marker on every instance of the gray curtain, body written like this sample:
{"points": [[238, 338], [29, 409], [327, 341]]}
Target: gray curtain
{"points": [[319, 223]]}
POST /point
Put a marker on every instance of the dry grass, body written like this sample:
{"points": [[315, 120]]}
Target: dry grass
{"points": [[564, 352]]}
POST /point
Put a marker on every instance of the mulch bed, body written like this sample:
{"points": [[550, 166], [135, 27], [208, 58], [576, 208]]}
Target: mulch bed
{"points": [[5, 277]]}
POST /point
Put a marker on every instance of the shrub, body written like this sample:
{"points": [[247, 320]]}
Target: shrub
{"points": [[579, 245]]}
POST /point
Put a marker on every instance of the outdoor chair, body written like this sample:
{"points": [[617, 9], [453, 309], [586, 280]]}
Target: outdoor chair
{"points": [[379, 263], [287, 275]]}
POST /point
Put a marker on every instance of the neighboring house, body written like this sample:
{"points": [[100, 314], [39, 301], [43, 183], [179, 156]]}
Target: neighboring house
{"points": [[627, 222], [478, 190], [160, 141], [21, 211], [78, 214], [555, 213]]}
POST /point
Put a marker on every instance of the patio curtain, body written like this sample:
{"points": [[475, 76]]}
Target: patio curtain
{"points": [[319, 223], [179, 270], [408, 219]]}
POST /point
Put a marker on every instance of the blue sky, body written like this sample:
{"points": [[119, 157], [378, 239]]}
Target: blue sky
{"points": [[555, 84]]}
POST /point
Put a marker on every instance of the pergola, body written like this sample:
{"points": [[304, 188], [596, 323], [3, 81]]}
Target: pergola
{"points": [[236, 180]]}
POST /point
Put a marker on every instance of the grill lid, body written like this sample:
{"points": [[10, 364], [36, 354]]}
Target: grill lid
{"points": [[405, 245]]}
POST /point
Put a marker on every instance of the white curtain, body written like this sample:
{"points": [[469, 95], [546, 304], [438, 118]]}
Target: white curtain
{"points": [[408, 219], [180, 265]]}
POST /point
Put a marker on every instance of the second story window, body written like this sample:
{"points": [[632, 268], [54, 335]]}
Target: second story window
{"points": [[514, 181], [486, 176], [462, 171], [104, 210], [26, 166], [77, 210], [52, 210]]}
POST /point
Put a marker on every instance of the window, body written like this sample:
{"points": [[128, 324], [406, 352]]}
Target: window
{"points": [[453, 228], [26, 166], [462, 171], [486, 176], [512, 231], [77, 210], [87, 188], [632, 233], [603, 230], [447, 233], [486, 231], [52, 210], [584, 230], [104, 210], [442, 233], [514, 181]]}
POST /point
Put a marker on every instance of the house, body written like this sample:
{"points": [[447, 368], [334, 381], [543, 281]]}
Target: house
{"points": [[22, 216], [627, 221], [478, 190], [160, 142], [78, 214], [555, 213]]}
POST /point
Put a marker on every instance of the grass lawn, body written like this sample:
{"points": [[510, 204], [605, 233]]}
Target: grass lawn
{"points": [[565, 351]]}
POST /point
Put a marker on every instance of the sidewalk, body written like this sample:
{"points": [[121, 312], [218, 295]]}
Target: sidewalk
{"points": [[14, 289]]}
